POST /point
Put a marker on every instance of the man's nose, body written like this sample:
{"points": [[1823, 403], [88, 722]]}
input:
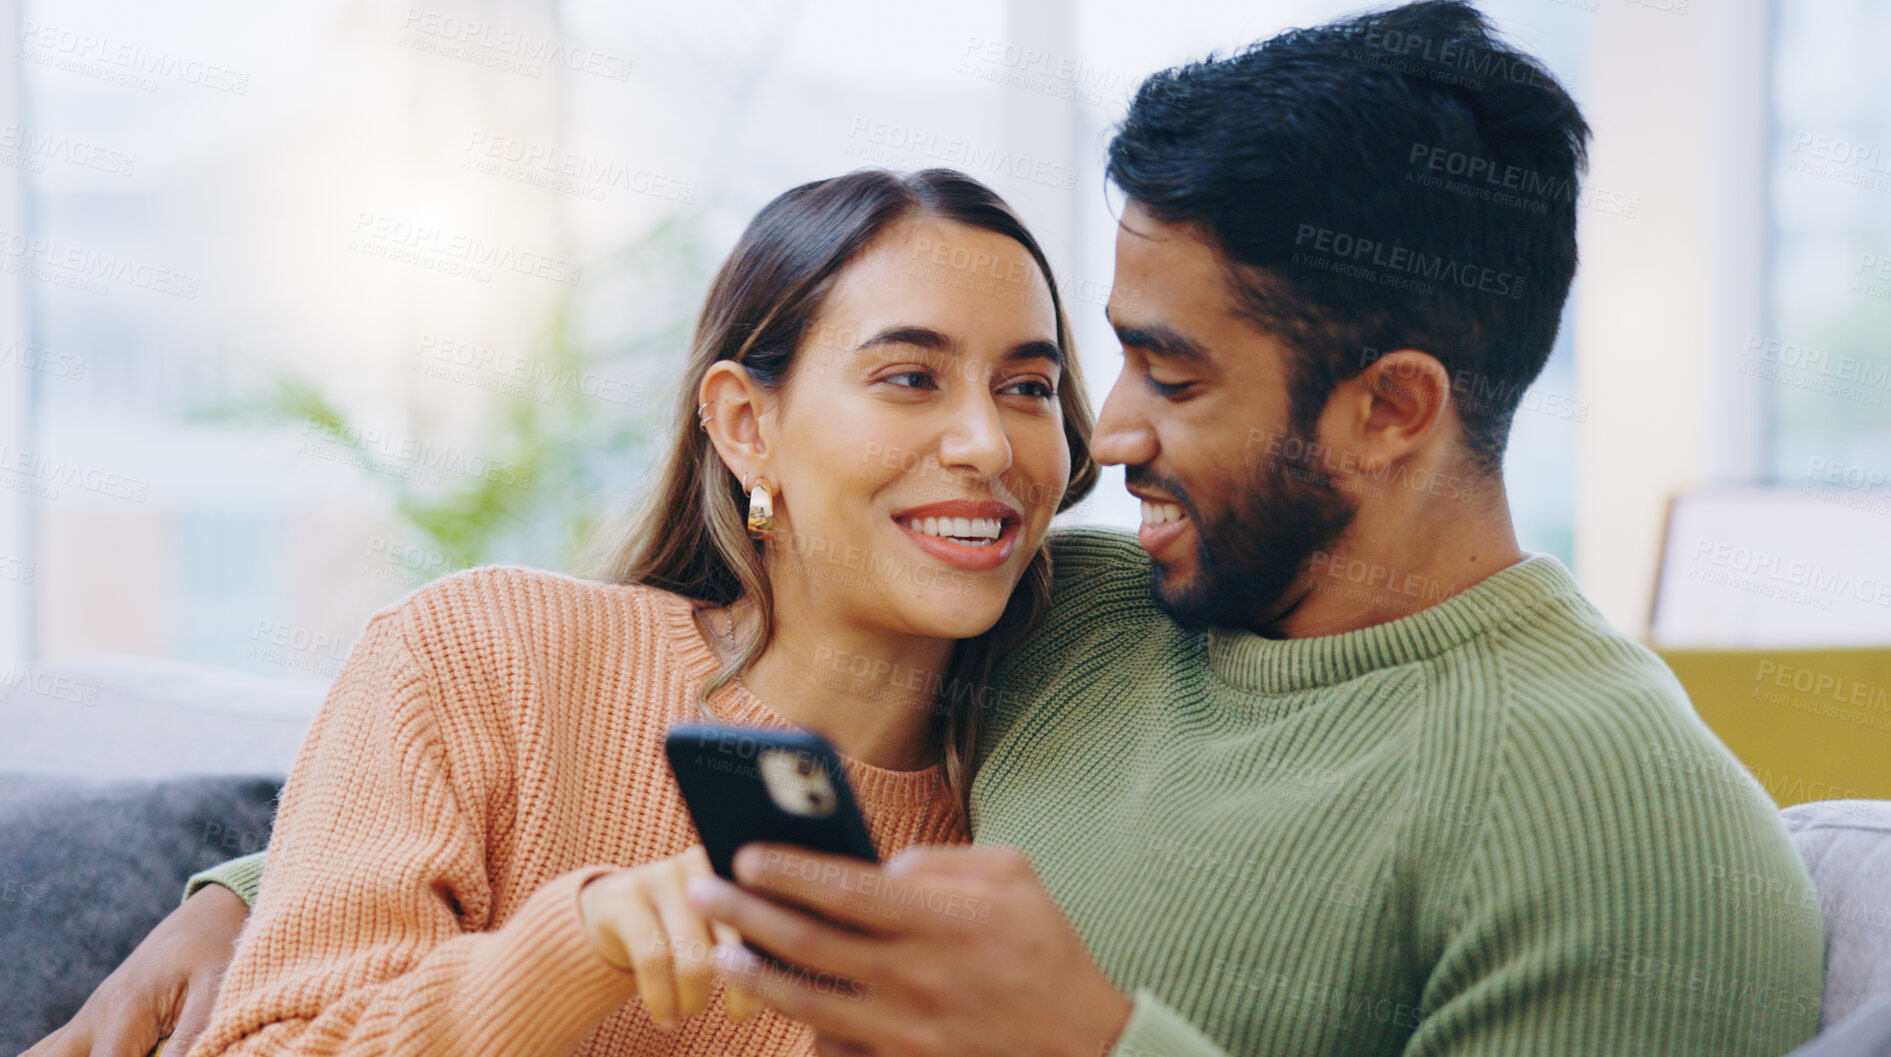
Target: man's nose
{"points": [[1123, 434]]}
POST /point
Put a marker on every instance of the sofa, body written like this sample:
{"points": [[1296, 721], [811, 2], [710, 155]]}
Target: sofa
{"points": [[119, 778], [1847, 848]]}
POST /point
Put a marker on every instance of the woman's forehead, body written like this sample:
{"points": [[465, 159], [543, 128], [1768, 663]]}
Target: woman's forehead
{"points": [[979, 286]]}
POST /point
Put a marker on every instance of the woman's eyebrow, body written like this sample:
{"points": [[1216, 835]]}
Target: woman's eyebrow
{"points": [[928, 338], [920, 337], [1037, 350]]}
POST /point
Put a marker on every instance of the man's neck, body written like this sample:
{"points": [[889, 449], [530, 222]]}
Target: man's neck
{"points": [[1397, 559]]}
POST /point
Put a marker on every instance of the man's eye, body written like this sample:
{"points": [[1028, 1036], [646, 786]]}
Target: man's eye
{"points": [[1169, 389]]}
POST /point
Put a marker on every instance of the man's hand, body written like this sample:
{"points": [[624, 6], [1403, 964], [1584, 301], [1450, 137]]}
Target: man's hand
{"points": [[944, 952], [166, 987]]}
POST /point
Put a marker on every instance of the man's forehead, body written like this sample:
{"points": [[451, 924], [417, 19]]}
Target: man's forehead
{"points": [[1166, 274], [1137, 222], [1177, 260]]}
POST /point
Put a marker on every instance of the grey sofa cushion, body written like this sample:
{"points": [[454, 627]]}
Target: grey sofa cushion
{"points": [[121, 717], [1847, 848], [1865, 1033], [88, 867]]}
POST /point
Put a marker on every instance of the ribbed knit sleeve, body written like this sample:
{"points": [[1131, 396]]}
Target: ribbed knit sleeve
{"points": [[242, 875], [366, 939], [1155, 1030], [1631, 892]]}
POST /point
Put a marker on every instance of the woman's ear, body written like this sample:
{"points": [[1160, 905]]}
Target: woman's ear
{"points": [[736, 413]]}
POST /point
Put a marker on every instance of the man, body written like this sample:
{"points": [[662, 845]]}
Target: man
{"points": [[1327, 765], [1361, 777]]}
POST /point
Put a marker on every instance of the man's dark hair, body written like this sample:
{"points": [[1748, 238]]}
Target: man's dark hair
{"points": [[1398, 179]]}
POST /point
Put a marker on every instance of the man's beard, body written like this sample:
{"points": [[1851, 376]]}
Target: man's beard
{"points": [[1248, 557]]}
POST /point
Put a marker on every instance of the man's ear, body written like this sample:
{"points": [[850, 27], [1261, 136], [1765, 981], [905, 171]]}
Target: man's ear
{"points": [[1390, 409], [738, 412]]}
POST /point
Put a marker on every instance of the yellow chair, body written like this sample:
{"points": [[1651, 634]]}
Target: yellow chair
{"points": [[1810, 724]]}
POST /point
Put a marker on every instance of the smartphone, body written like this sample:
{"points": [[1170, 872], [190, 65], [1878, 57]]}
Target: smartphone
{"points": [[747, 784]]}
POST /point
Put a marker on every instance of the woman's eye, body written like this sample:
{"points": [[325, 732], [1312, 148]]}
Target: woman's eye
{"points": [[1032, 387], [912, 380]]}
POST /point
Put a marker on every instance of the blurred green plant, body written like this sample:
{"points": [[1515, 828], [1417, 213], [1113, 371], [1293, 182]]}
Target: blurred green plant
{"points": [[570, 456]]}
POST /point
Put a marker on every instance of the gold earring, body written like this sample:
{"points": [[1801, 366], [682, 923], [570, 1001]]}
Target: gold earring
{"points": [[761, 510]]}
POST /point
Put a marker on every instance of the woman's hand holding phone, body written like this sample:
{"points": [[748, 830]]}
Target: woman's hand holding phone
{"points": [[638, 920]]}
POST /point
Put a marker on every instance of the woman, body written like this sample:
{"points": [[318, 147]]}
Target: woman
{"points": [[480, 847]]}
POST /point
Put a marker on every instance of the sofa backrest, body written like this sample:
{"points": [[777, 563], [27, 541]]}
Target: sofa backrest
{"points": [[1847, 848]]}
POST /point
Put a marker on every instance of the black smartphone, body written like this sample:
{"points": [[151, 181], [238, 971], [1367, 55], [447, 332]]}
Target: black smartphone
{"points": [[748, 784]]}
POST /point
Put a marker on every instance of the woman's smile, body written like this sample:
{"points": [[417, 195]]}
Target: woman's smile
{"points": [[965, 534]]}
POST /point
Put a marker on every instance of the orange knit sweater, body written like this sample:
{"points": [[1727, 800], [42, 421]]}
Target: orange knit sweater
{"points": [[493, 741]]}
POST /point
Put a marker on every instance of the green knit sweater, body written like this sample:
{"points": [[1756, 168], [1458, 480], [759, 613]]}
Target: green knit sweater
{"points": [[1493, 827]]}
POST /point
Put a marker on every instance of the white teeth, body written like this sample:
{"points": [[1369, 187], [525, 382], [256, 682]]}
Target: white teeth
{"points": [[977, 531], [1160, 513]]}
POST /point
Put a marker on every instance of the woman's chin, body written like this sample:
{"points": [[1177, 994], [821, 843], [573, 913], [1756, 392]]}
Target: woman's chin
{"points": [[947, 615]]}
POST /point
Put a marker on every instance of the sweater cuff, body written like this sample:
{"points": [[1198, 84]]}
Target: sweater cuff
{"points": [[541, 969], [1155, 1030], [243, 876]]}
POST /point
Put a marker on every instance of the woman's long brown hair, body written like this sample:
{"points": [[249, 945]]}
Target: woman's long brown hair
{"points": [[691, 536]]}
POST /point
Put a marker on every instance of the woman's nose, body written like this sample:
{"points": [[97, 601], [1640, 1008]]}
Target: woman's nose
{"points": [[975, 442]]}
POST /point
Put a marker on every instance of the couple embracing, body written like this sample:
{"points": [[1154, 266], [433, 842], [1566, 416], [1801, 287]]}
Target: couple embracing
{"points": [[1320, 762]]}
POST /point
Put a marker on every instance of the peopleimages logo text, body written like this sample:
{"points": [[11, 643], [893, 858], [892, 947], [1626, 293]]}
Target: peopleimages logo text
{"points": [[1359, 251]]}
